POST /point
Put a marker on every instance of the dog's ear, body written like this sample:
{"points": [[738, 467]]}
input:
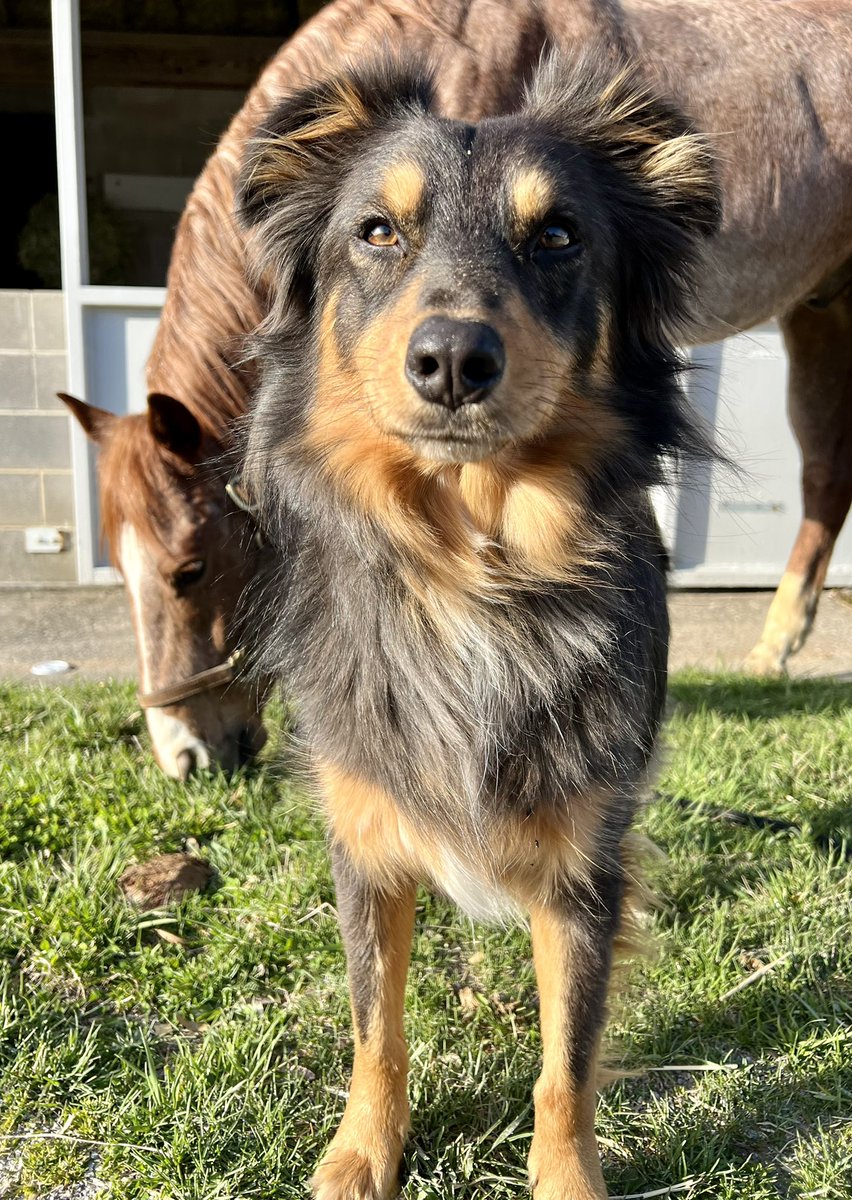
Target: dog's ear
{"points": [[658, 182], [609, 109], [295, 164]]}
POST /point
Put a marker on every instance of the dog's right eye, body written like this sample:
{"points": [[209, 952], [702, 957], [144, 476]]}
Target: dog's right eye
{"points": [[557, 237], [380, 234]]}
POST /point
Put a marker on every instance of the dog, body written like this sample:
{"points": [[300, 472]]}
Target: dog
{"points": [[468, 385]]}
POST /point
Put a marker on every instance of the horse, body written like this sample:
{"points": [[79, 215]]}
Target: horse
{"points": [[187, 550], [769, 83]]}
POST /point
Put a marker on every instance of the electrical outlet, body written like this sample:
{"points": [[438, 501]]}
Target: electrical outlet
{"points": [[44, 539]]}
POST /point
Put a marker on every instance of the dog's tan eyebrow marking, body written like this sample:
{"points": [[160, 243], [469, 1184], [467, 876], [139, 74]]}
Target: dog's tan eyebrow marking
{"points": [[403, 188], [532, 195]]}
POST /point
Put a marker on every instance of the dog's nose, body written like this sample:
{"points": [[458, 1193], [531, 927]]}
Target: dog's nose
{"points": [[454, 362]]}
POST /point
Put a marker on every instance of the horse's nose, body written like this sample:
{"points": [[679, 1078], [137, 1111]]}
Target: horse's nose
{"points": [[186, 764], [452, 362], [178, 749], [251, 741]]}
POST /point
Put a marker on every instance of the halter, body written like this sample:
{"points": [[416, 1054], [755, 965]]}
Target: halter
{"points": [[193, 685], [226, 672], [237, 494]]}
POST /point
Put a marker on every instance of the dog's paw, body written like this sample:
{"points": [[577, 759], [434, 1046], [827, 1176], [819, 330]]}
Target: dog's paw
{"points": [[557, 1172], [568, 1188], [347, 1174], [566, 1185]]}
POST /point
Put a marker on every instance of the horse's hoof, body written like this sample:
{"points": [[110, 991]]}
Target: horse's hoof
{"points": [[765, 662]]}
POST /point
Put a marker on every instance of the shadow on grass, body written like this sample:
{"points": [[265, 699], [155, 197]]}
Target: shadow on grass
{"points": [[717, 829], [471, 1140], [726, 1136], [687, 1123], [760, 699]]}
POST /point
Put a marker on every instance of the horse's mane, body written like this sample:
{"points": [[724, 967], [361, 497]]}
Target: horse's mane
{"points": [[212, 302]]}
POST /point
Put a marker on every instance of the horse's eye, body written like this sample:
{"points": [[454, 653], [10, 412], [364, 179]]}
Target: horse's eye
{"points": [[381, 234], [557, 237], [188, 574]]}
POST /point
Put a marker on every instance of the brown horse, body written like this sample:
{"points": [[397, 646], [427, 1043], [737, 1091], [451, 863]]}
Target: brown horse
{"points": [[187, 552], [771, 83]]}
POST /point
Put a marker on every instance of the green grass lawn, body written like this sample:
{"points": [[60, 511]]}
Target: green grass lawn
{"points": [[216, 1068]]}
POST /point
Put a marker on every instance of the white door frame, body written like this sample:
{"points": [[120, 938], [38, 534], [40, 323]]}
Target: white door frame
{"points": [[81, 299]]}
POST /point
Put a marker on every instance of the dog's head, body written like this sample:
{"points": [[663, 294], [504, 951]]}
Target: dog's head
{"points": [[463, 293]]}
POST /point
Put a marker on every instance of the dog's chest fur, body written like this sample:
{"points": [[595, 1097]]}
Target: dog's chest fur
{"points": [[463, 712]]}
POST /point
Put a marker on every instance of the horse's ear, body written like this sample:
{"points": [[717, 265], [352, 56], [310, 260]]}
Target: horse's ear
{"points": [[97, 422], [174, 426]]}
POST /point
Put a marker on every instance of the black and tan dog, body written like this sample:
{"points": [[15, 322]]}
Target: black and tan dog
{"points": [[468, 387]]}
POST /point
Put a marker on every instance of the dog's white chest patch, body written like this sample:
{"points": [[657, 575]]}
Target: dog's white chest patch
{"points": [[481, 898]]}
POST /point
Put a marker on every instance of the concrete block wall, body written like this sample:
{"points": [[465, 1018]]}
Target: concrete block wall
{"points": [[36, 484]]}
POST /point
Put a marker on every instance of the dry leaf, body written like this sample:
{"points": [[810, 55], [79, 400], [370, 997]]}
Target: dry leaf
{"points": [[174, 939], [168, 877], [468, 999]]}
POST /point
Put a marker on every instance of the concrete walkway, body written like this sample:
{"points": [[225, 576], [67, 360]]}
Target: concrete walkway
{"points": [[716, 630], [90, 628]]}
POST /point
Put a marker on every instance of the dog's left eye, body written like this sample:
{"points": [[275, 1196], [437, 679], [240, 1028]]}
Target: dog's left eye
{"points": [[557, 237], [380, 234]]}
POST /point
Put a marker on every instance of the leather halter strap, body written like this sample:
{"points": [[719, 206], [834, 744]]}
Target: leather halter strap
{"points": [[193, 685], [225, 673], [238, 496]]}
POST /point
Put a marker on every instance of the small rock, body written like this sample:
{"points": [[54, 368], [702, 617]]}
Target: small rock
{"points": [[168, 877]]}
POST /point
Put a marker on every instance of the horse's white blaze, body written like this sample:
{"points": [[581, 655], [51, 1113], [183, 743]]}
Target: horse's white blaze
{"points": [[131, 558], [170, 736]]}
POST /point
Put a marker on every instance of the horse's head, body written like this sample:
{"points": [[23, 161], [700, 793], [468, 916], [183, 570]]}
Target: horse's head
{"points": [[186, 552]]}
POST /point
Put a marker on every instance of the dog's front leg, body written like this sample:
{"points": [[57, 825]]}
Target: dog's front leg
{"points": [[362, 1162], [572, 940]]}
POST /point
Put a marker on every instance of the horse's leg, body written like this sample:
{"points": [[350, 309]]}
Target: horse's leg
{"points": [[819, 344]]}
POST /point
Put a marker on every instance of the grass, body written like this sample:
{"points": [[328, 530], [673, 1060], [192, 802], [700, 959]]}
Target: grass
{"points": [[216, 1069]]}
